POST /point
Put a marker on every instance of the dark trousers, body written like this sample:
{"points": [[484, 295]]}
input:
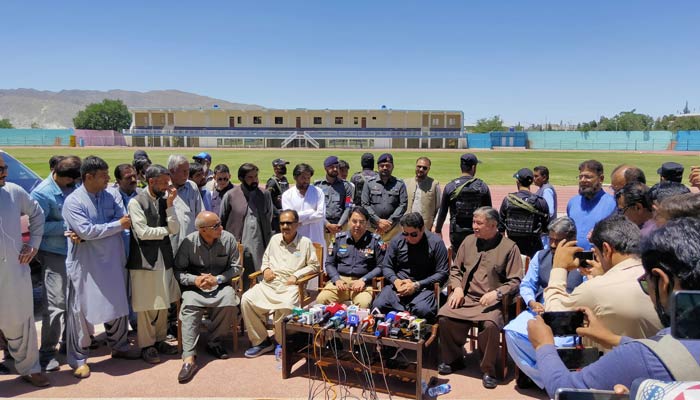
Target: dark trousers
{"points": [[422, 304], [453, 336]]}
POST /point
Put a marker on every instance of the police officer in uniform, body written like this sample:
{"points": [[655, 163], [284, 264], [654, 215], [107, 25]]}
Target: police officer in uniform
{"points": [[385, 198], [338, 195], [276, 185], [462, 196], [525, 215], [354, 259], [360, 178]]}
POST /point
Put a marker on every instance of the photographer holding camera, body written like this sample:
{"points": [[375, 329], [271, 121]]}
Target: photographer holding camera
{"points": [[671, 259]]}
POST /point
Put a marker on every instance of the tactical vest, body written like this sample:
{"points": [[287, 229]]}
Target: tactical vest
{"points": [[359, 179], [428, 198], [464, 200], [544, 259], [523, 219], [143, 254]]}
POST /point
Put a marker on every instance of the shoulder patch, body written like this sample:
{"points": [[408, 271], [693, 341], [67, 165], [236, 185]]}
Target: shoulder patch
{"points": [[341, 234]]}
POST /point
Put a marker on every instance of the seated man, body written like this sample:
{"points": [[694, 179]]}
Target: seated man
{"points": [[487, 267], [205, 263], [670, 258], [615, 243], [531, 291], [415, 260], [288, 257], [353, 262]]}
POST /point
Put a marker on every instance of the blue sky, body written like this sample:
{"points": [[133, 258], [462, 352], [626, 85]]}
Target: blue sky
{"points": [[528, 61]]}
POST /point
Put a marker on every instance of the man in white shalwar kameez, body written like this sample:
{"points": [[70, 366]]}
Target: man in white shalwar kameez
{"points": [[309, 202], [16, 310], [288, 257]]}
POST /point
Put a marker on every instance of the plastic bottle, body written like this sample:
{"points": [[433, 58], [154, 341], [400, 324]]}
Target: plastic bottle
{"points": [[439, 389], [278, 356]]}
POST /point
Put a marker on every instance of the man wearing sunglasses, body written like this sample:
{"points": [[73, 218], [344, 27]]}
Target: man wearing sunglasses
{"points": [[415, 260], [424, 194], [205, 263], [670, 258], [222, 184]]}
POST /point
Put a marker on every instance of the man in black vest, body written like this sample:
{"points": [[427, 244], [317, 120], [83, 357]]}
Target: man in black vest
{"points": [[276, 185], [462, 196], [525, 214], [151, 260], [360, 178]]}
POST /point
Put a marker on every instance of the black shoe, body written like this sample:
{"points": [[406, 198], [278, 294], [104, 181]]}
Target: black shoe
{"points": [[166, 348], [187, 372], [446, 369], [217, 351], [489, 382], [4, 370]]}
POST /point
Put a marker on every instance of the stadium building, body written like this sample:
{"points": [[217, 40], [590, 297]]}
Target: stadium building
{"points": [[217, 127]]}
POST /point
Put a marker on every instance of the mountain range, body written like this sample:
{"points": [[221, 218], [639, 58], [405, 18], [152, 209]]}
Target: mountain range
{"points": [[54, 110]]}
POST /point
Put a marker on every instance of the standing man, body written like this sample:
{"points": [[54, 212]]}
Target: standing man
{"points": [[95, 267], [360, 178], [462, 196], [289, 257], [205, 263], [592, 203], [338, 195], [385, 199], [546, 190], [276, 185], [414, 262], [246, 212], [204, 159], [308, 201], [197, 176], [188, 203], [124, 189], [525, 215], [670, 171], [150, 262], [353, 261], [17, 313], [487, 267], [424, 195], [222, 184], [51, 193]]}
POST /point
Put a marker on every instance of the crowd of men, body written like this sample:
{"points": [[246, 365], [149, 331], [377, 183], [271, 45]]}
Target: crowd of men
{"points": [[122, 254]]}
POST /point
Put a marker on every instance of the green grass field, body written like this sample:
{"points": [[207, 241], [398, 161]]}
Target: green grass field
{"points": [[497, 167]]}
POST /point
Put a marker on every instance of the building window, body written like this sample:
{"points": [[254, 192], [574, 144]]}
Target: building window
{"points": [[239, 120], [451, 121], [339, 120], [318, 120], [436, 121], [257, 120], [279, 120], [374, 118], [355, 120]]}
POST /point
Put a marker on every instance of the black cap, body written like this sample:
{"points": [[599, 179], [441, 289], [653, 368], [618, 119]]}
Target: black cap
{"points": [[469, 159], [524, 176], [386, 157], [367, 161], [279, 162], [671, 171], [140, 154], [330, 160]]}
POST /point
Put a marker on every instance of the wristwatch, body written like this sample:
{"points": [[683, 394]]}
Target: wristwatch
{"points": [[219, 279], [499, 295], [416, 286]]}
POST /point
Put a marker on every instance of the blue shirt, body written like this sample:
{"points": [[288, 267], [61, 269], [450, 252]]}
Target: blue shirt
{"points": [[529, 285], [123, 199], [586, 213], [627, 362], [50, 197]]}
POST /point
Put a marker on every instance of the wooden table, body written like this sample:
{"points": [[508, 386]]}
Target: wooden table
{"points": [[423, 370]]}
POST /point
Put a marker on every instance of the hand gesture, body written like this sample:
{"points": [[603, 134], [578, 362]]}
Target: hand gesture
{"points": [[597, 331], [564, 255], [341, 285], [172, 195], [456, 299], [27, 253], [357, 286], [536, 307], [125, 222]]}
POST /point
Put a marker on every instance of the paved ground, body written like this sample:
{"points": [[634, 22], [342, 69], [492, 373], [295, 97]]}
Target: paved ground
{"points": [[238, 376]]}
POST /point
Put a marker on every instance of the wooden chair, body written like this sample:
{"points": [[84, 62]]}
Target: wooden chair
{"points": [[237, 321], [304, 295]]}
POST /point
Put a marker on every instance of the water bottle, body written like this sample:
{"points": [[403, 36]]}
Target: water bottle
{"points": [[278, 356], [439, 389]]}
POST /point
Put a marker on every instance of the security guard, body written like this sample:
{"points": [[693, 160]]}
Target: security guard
{"points": [[385, 198], [462, 196], [525, 215], [360, 178], [338, 194], [276, 185], [353, 260]]}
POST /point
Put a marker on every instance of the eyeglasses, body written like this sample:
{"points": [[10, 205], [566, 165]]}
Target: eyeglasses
{"points": [[644, 283], [213, 227], [423, 167], [4, 169], [411, 234], [587, 177], [222, 179], [282, 223]]}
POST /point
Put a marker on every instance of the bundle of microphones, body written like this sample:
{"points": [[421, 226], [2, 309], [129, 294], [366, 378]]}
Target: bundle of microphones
{"points": [[338, 316]]}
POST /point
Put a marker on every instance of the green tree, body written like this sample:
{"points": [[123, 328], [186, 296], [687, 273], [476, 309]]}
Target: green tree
{"points": [[664, 123], [485, 125], [109, 115], [5, 124], [686, 124], [35, 125]]}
